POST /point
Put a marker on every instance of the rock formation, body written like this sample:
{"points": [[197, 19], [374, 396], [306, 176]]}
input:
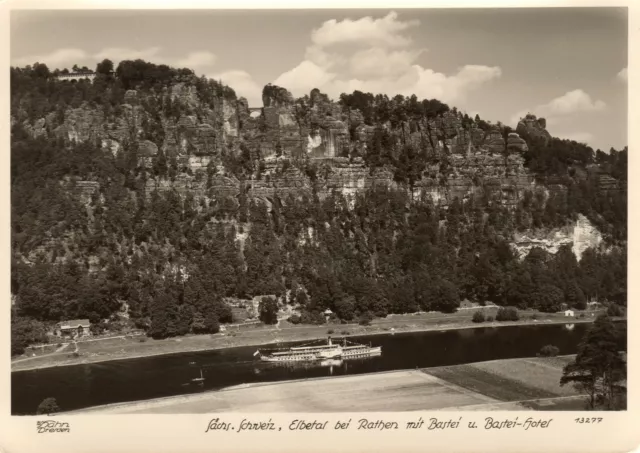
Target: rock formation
{"points": [[581, 235], [532, 129], [179, 123]]}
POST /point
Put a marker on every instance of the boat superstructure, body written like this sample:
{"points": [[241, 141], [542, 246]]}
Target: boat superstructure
{"points": [[327, 351]]}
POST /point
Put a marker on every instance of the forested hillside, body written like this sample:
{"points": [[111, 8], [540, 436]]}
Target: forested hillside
{"points": [[153, 193]]}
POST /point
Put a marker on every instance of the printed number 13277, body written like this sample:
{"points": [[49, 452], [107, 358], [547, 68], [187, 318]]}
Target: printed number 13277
{"points": [[588, 419]]}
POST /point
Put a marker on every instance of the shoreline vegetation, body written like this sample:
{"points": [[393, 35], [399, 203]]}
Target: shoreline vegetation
{"points": [[124, 347]]}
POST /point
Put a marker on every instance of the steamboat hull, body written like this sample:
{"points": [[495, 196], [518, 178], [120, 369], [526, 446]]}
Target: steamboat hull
{"points": [[319, 353]]}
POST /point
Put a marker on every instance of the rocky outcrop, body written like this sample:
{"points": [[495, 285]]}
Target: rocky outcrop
{"points": [[531, 128], [515, 143], [581, 235], [199, 130]]}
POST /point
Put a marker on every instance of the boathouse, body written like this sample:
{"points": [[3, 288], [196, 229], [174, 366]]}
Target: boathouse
{"points": [[569, 313]]}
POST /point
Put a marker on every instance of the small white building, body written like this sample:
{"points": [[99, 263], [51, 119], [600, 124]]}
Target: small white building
{"points": [[569, 313], [77, 76]]}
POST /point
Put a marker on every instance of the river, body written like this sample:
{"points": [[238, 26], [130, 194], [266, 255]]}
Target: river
{"points": [[81, 386]]}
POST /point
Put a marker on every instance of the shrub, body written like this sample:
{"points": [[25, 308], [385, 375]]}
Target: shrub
{"points": [[365, 319], [294, 319], [549, 351], [478, 317], [489, 318], [312, 317], [581, 315], [507, 314], [142, 339], [330, 331], [345, 332], [615, 310], [48, 406]]}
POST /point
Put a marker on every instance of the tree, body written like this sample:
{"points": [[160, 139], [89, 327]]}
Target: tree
{"points": [[105, 67], [478, 317], [212, 325], [549, 351], [268, 309], [446, 298], [615, 310], [24, 332], [365, 319], [198, 324], [48, 406], [507, 314], [345, 308], [599, 369]]}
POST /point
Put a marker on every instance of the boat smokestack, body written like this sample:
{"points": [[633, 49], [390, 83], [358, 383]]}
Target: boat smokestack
{"points": [[329, 340]]}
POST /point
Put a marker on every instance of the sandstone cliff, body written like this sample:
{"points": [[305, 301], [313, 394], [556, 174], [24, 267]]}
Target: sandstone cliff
{"points": [[310, 131]]}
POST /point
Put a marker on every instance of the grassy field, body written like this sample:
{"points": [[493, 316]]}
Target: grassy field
{"points": [[124, 348], [534, 385]]}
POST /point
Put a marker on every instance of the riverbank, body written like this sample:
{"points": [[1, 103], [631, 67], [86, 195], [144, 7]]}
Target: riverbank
{"points": [[129, 348], [511, 384]]}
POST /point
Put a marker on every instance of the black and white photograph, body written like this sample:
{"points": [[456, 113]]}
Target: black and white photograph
{"points": [[318, 211]]}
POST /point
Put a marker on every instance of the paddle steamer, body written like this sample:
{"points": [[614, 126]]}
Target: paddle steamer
{"points": [[344, 350]]}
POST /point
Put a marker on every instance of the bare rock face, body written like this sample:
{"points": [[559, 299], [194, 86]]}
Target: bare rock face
{"points": [[131, 97], [329, 139], [230, 118], [506, 178], [585, 235], [581, 236], [515, 143], [275, 96], [494, 142], [185, 94], [81, 124], [531, 128], [312, 131]]}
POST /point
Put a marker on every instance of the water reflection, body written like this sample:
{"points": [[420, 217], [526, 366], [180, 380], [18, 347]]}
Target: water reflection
{"points": [[328, 364], [129, 380]]}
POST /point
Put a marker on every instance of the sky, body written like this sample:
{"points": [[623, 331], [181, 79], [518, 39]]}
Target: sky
{"points": [[567, 65]]}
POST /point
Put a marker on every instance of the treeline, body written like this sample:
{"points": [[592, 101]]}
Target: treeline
{"points": [[36, 93], [172, 259]]}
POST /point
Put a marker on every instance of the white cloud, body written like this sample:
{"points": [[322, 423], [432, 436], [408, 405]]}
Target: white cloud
{"points": [[243, 84], [580, 137], [424, 83], [197, 60], [570, 103], [56, 58], [374, 32], [121, 53], [304, 77], [378, 62], [375, 56], [67, 57], [623, 75]]}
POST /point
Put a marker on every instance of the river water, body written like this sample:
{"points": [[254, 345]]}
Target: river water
{"points": [[81, 386]]}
